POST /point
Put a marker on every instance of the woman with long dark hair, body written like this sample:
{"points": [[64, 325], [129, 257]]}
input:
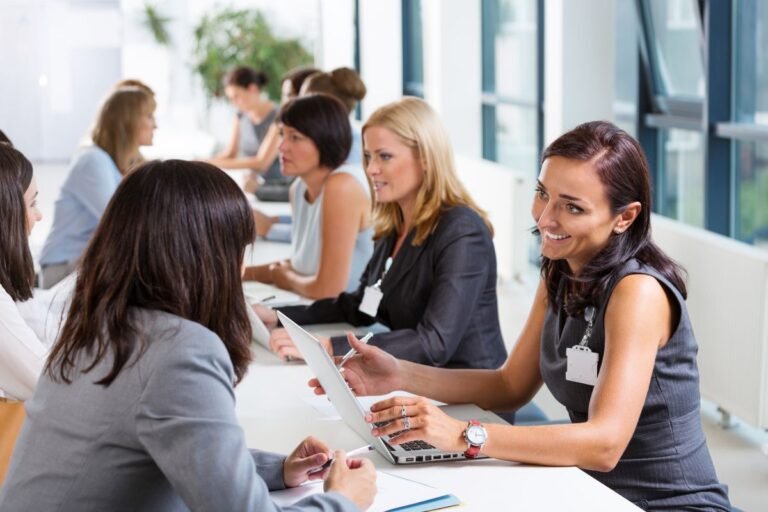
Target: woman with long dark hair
{"points": [[22, 354], [608, 333], [135, 410]]}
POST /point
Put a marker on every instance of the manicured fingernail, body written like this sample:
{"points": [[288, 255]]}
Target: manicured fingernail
{"points": [[368, 418]]}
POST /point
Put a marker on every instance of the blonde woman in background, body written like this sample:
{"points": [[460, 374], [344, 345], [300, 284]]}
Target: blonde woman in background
{"points": [[125, 122], [432, 276]]}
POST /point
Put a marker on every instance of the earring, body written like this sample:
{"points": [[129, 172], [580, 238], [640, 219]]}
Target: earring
{"points": [[617, 231]]}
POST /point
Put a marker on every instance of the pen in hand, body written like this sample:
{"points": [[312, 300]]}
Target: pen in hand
{"points": [[353, 453], [352, 352]]}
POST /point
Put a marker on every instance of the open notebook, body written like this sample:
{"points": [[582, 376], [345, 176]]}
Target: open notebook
{"points": [[394, 493]]}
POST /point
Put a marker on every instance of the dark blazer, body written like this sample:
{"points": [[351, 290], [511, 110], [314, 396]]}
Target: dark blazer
{"points": [[439, 297]]}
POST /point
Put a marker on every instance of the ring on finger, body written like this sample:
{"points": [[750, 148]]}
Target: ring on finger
{"points": [[402, 411], [406, 423]]}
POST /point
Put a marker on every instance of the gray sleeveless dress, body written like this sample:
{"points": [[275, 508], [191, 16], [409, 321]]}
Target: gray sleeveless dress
{"points": [[666, 465]]}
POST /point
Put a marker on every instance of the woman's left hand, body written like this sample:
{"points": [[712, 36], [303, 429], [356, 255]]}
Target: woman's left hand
{"points": [[416, 418], [279, 272], [305, 462], [281, 344]]}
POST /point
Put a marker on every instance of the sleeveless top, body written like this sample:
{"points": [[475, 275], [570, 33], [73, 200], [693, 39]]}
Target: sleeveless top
{"points": [[252, 135], [666, 465], [305, 236]]}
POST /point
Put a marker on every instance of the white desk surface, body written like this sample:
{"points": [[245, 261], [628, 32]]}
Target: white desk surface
{"points": [[273, 410]]}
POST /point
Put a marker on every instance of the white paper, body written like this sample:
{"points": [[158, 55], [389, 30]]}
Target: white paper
{"points": [[393, 492]]}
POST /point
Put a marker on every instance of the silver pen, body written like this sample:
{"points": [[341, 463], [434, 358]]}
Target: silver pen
{"points": [[352, 351]]}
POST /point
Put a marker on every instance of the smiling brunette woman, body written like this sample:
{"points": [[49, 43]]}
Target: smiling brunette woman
{"points": [[432, 276], [608, 333], [136, 408]]}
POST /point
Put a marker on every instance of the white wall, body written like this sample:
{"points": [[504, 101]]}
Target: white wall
{"points": [[58, 59], [452, 69], [579, 63], [336, 38], [381, 52]]}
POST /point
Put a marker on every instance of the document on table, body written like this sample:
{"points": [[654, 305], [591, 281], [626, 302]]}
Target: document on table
{"points": [[394, 493], [255, 292]]}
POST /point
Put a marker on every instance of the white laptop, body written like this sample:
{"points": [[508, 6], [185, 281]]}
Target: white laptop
{"points": [[353, 413]]}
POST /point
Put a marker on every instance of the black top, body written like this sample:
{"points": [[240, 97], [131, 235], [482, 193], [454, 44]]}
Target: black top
{"points": [[439, 297], [666, 465]]}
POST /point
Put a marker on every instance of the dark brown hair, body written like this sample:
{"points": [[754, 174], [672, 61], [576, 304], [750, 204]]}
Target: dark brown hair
{"points": [[17, 272], [297, 76], [623, 170], [172, 239], [243, 76], [343, 84], [323, 119]]}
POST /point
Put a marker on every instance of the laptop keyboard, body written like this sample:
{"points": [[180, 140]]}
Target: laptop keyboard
{"points": [[417, 445], [410, 446]]}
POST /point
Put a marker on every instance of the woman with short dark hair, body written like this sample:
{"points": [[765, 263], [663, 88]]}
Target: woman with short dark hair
{"points": [[136, 408], [331, 203]]}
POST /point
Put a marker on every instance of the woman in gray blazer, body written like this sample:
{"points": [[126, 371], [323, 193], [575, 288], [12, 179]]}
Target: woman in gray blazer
{"points": [[432, 276], [135, 410]]}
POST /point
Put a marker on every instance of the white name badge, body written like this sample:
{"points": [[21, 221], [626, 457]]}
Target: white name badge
{"points": [[582, 365], [371, 300]]}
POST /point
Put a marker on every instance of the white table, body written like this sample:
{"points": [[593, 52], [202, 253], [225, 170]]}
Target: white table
{"points": [[272, 409]]}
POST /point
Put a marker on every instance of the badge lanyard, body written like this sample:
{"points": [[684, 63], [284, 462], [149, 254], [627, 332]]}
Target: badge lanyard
{"points": [[373, 294], [582, 362]]}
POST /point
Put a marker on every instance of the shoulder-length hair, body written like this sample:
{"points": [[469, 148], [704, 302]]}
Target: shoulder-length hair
{"points": [[117, 126], [17, 272], [623, 170], [323, 119], [172, 239], [419, 127]]}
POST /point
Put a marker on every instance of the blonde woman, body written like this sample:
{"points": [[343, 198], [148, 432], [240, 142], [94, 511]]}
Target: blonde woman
{"points": [[125, 122], [432, 276]]}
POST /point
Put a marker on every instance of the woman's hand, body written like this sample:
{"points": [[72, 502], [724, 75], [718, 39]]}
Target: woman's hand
{"points": [[280, 272], [371, 372], [354, 478], [416, 418], [282, 345], [304, 462], [267, 315]]}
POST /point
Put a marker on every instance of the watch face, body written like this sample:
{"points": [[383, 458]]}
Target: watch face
{"points": [[476, 434]]}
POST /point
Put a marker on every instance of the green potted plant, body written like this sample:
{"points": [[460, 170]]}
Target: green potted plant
{"points": [[242, 37]]}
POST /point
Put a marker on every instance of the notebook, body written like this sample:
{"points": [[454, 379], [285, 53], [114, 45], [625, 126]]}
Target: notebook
{"points": [[394, 494], [352, 412]]}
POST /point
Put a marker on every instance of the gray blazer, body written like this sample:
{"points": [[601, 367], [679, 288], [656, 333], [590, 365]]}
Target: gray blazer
{"points": [[162, 437]]}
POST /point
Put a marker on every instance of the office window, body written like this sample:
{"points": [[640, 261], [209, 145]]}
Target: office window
{"points": [[751, 190], [676, 47], [626, 65], [511, 81], [682, 189], [413, 49], [751, 62]]}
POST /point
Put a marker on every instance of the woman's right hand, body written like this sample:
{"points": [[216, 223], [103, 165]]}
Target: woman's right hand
{"points": [[267, 315], [354, 478], [371, 372]]}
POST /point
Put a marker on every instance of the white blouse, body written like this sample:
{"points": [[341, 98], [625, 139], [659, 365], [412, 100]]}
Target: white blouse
{"points": [[22, 354]]}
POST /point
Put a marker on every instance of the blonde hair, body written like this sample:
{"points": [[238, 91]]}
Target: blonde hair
{"points": [[342, 83], [117, 126], [419, 127]]}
